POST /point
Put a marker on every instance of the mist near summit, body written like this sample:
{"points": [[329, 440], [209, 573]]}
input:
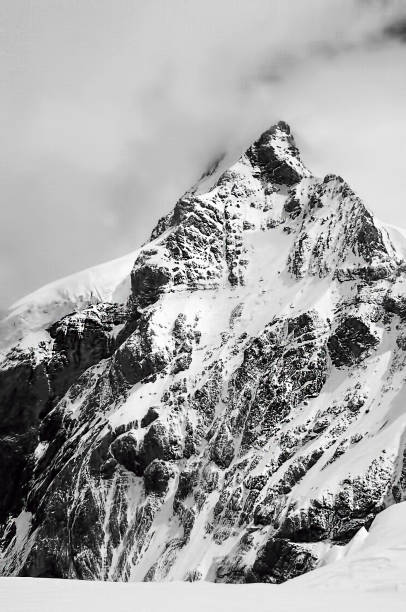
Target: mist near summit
{"points": [[110, 111]]}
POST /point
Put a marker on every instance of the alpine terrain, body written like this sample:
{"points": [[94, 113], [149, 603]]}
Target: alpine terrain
{"points": [[227, 403]]}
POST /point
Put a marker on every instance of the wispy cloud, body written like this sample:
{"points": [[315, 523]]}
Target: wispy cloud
{"points": [[113, 109]]}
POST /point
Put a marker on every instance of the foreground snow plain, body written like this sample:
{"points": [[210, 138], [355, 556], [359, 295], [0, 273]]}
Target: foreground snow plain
{"points": [[369, 574]]}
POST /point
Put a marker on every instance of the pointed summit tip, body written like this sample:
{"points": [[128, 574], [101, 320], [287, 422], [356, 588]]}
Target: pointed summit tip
{"points": [[276, 129], [275, 153], [282, 125]]}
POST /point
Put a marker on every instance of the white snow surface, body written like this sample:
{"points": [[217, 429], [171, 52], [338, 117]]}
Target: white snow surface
{"points": [[369, 576], [106, 282]]}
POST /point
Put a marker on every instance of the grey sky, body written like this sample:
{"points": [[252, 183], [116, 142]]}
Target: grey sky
{"points": [[110, 110]]}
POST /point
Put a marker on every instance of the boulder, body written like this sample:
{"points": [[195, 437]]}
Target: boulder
{"points": [[157, 476]]}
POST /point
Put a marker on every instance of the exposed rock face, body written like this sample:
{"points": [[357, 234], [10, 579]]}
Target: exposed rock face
{"points": [[125, 451], [279, 162], [80, 341], [280, 560], [233, 414], [148, 282], [157, 476], [350, 341], [32, 381]]}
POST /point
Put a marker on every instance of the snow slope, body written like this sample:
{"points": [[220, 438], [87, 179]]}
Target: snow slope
{"points": [[107, 282], [370, 576]]}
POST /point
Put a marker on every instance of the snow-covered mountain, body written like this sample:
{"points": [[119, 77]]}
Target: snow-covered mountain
{"points": [[227, 403]]}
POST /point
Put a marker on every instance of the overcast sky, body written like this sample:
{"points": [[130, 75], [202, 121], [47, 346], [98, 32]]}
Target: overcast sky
{"points": [[110, 109]]}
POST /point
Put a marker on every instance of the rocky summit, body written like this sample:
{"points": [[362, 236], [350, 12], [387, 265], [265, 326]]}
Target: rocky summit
{"points": [[227, 403]]}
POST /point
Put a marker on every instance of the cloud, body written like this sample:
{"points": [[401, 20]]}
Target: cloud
{"points": [[211, 81], [114, 109], [396, 30]]}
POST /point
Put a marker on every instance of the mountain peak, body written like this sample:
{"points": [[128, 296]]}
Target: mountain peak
{"points": [[232, 412], [276, 155]]}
